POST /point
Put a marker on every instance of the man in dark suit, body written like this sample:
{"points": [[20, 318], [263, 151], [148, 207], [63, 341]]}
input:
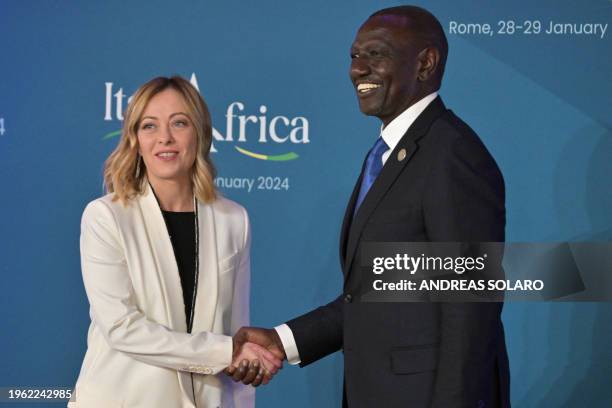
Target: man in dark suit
{"points": [[428, 178]]}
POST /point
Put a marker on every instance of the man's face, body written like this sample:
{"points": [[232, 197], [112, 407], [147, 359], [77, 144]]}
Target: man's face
{"points": [[384, 68]]}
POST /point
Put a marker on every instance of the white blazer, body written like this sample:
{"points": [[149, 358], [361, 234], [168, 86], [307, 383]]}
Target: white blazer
{"points": [[139, 353]]}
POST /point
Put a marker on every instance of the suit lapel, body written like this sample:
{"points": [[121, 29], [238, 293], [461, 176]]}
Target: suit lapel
{"points": [[168, 275], [348, 218], [207, 285], [167, 269], [389, 173]]}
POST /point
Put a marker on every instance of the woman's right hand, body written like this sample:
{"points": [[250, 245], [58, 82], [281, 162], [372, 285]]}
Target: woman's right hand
{"points": [[258, 363]]}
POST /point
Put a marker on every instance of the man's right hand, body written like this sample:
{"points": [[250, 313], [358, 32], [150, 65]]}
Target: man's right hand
{"points": [[266, 338]]}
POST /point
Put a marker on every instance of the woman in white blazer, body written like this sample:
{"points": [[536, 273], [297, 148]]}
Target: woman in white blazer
{"points": [[165, 263]]}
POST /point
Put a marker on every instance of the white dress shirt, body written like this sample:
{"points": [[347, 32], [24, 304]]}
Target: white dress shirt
{"points": [[391, 134]]}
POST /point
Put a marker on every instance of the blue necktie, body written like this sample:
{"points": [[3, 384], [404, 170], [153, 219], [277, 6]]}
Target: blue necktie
{"points": [[371, 170]]}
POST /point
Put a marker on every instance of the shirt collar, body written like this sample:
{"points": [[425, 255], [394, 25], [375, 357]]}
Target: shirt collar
{"points": [[394, 131]]}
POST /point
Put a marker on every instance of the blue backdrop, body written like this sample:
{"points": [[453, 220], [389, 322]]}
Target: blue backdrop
{"points": [[540, 102]]}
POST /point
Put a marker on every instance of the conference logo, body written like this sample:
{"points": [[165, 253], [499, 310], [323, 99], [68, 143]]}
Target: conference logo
{"points": [[243, 128]]}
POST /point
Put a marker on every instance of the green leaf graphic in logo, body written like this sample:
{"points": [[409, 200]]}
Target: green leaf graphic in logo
{"points": [[111, 135], [278, 157]]}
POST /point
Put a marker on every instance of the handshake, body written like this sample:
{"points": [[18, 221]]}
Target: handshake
{"points": [[258, 355]]}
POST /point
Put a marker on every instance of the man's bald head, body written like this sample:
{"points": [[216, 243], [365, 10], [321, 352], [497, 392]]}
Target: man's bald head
{"points": [[423, 25]]}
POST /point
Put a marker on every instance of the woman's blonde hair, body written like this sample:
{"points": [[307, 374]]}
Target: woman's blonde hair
{"points": [[124, 170]]}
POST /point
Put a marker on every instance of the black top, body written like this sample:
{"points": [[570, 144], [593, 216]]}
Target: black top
{"points": [[181, 227]]}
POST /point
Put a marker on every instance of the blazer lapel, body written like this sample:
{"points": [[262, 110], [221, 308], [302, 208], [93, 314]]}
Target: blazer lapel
{"points": [[389, 173], [168, 275], [207, 285], [167, 269], [348, 219]]}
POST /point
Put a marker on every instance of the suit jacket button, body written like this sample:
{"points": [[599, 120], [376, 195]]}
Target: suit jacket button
{"points": [[348, 298]]}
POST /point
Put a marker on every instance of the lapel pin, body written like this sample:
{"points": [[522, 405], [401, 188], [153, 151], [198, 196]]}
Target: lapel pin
{"points": [[401, 155]]}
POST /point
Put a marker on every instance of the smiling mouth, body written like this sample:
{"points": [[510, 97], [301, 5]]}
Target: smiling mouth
{"points": [[167, 155], [366, 88]]}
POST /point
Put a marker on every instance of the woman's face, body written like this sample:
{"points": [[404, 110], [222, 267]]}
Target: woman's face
{"points": [[167, 138]]}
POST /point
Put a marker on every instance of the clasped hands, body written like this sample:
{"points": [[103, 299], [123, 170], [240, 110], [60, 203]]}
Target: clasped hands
{"points": [[257, 357]]}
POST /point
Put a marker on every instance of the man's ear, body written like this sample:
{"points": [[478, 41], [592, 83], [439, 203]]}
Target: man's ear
{"points": [[428, 58]]}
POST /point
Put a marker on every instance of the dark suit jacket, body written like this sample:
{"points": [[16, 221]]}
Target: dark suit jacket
{"points": [[448, 188]]}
